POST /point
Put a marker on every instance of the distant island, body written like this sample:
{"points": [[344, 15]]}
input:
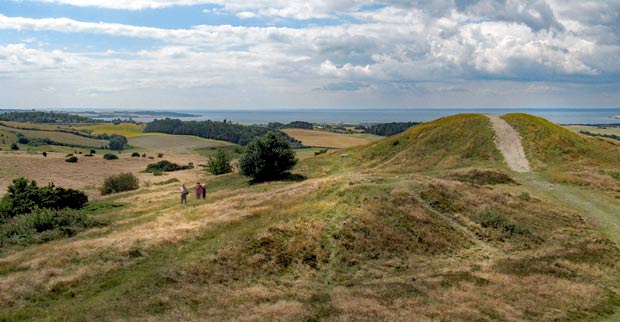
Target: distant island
{"points": [[132, 114]]}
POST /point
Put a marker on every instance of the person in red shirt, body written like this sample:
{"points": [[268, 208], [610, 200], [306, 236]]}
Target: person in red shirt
{"points": [[198, 191]]}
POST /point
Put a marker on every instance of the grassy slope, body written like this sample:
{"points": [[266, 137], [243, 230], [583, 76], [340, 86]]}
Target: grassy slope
{"points": [[448, 143], [351, 245], [567, 157]]}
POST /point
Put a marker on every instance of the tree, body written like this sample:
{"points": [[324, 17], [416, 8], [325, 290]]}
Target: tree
{"points": [[116, 144], [267, 157], [220, 163]]}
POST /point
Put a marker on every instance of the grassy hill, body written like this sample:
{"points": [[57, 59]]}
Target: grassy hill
{"points": [[568, 157], [388, 231]]}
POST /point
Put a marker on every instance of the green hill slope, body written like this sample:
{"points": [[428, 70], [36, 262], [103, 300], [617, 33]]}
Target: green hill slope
{"points": [[374, 239], [452, 142]]}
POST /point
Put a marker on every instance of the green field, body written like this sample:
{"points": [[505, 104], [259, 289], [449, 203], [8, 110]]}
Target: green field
{"points": [[60, 137], [176, 143]]}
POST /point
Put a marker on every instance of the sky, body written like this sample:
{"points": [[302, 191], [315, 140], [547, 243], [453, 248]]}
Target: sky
{"points": [[242, 54]]}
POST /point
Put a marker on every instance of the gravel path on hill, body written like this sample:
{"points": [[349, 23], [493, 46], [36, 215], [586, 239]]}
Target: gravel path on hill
{"points": [[509, 144]]}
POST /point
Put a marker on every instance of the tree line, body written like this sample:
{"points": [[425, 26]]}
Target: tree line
{"points": [[45, 117], [223, 131], [387, 129]]}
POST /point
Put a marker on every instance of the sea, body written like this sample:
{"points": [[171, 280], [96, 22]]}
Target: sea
{"points": [[368, 116]]}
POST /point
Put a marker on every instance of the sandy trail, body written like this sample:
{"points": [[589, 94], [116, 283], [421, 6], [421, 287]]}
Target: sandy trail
{"points": [[509, 144]]}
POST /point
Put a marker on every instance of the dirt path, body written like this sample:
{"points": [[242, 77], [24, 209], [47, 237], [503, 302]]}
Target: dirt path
{"points": [[508, 142]]}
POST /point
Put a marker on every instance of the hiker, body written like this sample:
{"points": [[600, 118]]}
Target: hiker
{"points": [[184, 194], [204, 191], [198, 191]]}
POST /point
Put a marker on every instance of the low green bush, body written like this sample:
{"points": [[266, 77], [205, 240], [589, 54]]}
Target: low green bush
{"points": [[135, 155], [71, 159], [44, 224], [119, 183], [110, 156], [165, 166]]}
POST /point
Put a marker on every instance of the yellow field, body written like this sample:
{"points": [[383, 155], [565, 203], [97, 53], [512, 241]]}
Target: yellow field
{"points": [[176, 143], [326, 139], [126, 129]]}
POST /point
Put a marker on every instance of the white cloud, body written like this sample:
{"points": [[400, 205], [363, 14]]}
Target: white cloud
{"points": [[402, 48]]}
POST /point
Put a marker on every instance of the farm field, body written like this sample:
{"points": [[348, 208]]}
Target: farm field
{"points": [[595, 129], [88, 173], [61, 137], [324, 139], [128, 130], [176, 143]]}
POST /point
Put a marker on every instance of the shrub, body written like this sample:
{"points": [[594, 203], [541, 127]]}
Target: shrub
{"points": [[267, 157], [110, 156], [160, 155], [23, 140], [44, 154], [220, 163], [23, 196], [93, 152], [14, 147], [144, 155], [71, 159], [119, 183], [321, 152], [44, 224], [69, 155], [165, 166], [135, 155]]}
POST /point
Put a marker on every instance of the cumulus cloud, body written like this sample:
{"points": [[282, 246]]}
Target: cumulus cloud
{"points": [[390, 47]]}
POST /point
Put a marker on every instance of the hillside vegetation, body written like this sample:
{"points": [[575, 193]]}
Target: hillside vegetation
{"points": [[428, 225], [566, 156]]}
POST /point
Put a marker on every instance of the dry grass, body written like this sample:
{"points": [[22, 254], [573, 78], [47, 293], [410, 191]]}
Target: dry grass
{"points": [[88, 173], [348, 246], [326, 139]]}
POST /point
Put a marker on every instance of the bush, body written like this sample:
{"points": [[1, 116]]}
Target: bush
{"points": [[24, 196], [119, 183], [267, 157], [23, 140], [110, 156], [135, 155], [93, 152], [160, 155], [44, 154], [14, 147], [165, 166], [220, 163], [44, 224], [144, 155], [71, 159]]}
